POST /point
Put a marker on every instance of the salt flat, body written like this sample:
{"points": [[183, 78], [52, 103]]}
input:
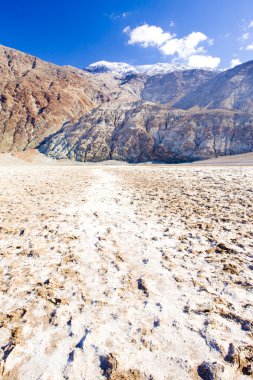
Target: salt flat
{"points": [[130, 272]]}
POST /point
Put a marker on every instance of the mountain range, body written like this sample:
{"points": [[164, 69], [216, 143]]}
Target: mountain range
{"points": [[111, 110]]}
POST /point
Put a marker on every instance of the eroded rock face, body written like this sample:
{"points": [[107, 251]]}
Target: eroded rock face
{"points": [[141, 131], [38, 98]]}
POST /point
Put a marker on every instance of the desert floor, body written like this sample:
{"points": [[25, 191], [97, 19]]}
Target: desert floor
{"points": [[128, 272]]}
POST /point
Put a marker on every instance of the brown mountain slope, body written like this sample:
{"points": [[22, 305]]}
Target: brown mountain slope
{"points": [[37, 98]]}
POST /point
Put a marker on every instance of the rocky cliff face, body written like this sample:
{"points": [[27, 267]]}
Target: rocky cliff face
{"points": [[68, 112], [141, 131]]}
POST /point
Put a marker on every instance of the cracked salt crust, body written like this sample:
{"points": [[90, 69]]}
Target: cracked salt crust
{"points": [[125, 273]]}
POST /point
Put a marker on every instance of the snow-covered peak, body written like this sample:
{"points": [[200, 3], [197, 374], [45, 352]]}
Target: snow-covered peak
{"points": [[108, 67], [161, 68], [124, 68]]}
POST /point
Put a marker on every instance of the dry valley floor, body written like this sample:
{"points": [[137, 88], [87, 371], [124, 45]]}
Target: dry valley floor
{"points": [[126, 273]]}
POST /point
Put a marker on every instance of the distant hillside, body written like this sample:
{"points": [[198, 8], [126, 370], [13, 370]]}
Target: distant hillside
{"points": [[230, 90]]}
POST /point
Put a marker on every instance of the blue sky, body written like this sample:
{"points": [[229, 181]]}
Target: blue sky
{"points": [[200, 32]]}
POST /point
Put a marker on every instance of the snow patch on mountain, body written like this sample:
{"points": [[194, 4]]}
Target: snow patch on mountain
{"points": [[122, 68]]}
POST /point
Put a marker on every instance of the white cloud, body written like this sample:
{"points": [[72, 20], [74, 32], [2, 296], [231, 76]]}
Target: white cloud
{"points": [[187, 49], [234, 62], [249, 47], [206, 61], [172, 23], [147, 35], [186, 46], [250, 24], [244, 36]]}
